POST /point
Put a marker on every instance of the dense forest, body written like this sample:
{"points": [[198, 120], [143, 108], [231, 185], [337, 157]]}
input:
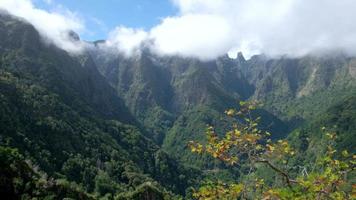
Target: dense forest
{"points": [[101, 125]]}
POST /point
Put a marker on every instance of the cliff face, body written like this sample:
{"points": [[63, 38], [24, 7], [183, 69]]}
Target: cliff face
{"points": [[103, 117]]}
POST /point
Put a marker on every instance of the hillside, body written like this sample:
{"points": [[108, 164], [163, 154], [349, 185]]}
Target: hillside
{"points": [[60, 113], [339, 118], [100, 124], [164, 91], [293, 89]]}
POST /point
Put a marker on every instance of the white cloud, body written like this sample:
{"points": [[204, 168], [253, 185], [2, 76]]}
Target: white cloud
{"points": [[53, 26], [210, 28], [126, 40], [191, 35]]}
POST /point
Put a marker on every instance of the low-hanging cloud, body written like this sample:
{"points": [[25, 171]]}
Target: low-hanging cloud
{"points": [[126, 40], [210, 28], [53, 26]]}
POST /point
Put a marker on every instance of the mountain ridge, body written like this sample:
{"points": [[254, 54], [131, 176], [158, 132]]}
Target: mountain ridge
{"points": [[118, 125]]}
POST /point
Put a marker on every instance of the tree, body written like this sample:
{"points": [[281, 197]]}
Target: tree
{"points": [[246, 145]]}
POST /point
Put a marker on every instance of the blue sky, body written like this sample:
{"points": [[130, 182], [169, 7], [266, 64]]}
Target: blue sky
{"points": [[101, 16], [196, 28]]}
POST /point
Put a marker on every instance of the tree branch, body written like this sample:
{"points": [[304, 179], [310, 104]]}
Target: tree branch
{"points": [[284, 174]]}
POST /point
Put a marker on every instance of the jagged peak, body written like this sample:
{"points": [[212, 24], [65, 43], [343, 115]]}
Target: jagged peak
{"points": [[240, 57], [73, 36]]}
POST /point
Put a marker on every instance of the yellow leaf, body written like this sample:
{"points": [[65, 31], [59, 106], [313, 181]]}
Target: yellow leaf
{"points": [[230, 112], [270, 148], [237, 132], [345, 153], [258, 147]]}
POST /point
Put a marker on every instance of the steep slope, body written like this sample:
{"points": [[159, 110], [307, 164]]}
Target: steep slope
{"points": [[103, 121], [312, 139], [163, 91], [24, 52], [340, 118], [176, 97], [302, 87], [63, 116]]}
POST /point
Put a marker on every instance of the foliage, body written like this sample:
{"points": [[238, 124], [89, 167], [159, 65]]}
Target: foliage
{"points": [[339, 118], [63, 116], [246, 145], [218, 190], [66, 130], [57, 138], [147, 191], [19, 179]]}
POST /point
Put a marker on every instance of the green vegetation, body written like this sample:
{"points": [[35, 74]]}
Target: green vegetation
{"points": [[63, 117], [340, 119], [245, 144], [102, 156], [21, 180], [101, 125]]}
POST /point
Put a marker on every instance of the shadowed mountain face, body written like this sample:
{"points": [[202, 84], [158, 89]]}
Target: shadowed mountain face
{"points": [[177, 84], [175, 98], [159, 91], [63, 115], [301, 88], [76, 79], [106, 121]]}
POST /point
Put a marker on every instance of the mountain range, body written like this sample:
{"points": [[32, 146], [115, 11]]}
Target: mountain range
{"points": [[102, 124]]}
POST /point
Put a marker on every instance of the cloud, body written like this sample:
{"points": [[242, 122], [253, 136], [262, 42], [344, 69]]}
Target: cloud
{"points": [[210, 28], [53, 26], [126, 40], [191, 35]]}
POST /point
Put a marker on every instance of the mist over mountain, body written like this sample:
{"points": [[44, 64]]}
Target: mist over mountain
{"points": [[113, 118], [209, 29]]}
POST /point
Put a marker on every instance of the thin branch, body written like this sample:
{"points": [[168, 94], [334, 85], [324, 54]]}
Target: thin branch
{"points": [[284, 174]]}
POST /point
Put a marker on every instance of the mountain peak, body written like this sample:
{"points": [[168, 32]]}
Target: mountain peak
{"points": [[240, 57], [73, 36]]}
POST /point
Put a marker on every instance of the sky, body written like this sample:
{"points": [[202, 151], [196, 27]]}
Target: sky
{"points": [[204, 29], [101, 16]]}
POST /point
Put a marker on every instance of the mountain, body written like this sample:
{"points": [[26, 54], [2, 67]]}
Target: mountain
{"points": [[340, 119], [73, 78], [301, 88], [175, 98], [62, 115], [101, 124]]}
